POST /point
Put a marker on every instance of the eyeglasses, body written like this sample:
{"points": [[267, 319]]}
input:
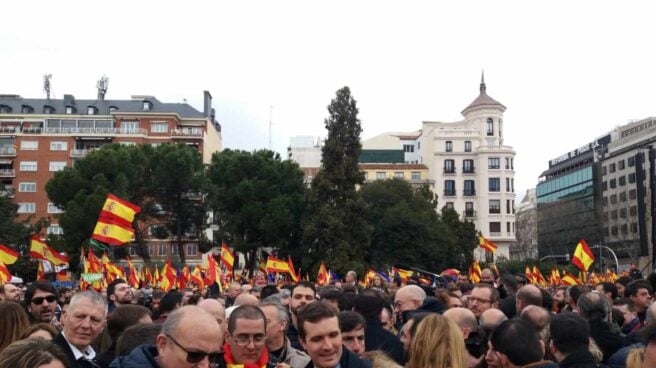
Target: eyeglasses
{"points": [[478, 300], [398, 304], [194, 357], [39, 300], [258, 340]]}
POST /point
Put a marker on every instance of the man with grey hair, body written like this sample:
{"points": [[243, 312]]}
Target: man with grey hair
{"points": [[279, 347], [593, 307], [83, 321], [407, 298], [190, 337], [490, 319]]}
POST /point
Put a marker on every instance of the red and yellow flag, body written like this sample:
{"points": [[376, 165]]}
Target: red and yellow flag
{"points": [[197, 277], [487, 245], [112, 232], [227, 257], [168, 276], [148, 276], [583, 256], [5, 275], [40, 274], [322, 276], [213, 273], [40, 250], [7, 255], [475, 272], [119, 210], [276, 265], [569, 279], [156, 277], [133, 279], [539, 278], [292, 271]]}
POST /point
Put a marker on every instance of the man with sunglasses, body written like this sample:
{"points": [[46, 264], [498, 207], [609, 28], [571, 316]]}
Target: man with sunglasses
{"points": [[190, 337], [41, 302]]}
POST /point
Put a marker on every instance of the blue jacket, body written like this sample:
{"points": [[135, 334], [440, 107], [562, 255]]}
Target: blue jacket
{"points": [[141, 357]]}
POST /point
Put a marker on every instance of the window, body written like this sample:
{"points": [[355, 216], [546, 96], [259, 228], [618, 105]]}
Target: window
{"points": [[493, 163], [133, 251], [507, 227], [161, 250], [634, 227], [27, 187], [146, 106], [620, 165], [28, 166], [448, 205], [174, 249], [494, 184], [57, 165], [91, 110], [613, 215], [449, 187], [512, 167], [398, 175], [613, 199], [380, 175], [468, 147], [633, 211], [54, 209], [604, 201], [630, 161], [512, 185], [611, 168], [408, 148], [29, 145], [603, 170], [623, 213], [448, 146], [495, 206], [625, 229], [416, 175], [191, 249], [449, 166], [48, 109], [469, 209], [507, 163], [613, 230], [58, 146], [604, 186], [495, 227], [507, 184], [508, 206], [490, 126], [632, 194], [469, 189], [631, 178], [468, 166], [622, 180], [623, 197], [26, 207], [55, 230], [129, 127], [159, 128], [613, 183], [69, 110]]}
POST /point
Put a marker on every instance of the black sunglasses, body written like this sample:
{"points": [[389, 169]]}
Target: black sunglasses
{"points": [[39, 300], [194, 357]]}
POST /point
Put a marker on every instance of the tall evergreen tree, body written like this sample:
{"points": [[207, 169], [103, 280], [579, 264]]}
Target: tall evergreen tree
{"points": [[335, 228]]}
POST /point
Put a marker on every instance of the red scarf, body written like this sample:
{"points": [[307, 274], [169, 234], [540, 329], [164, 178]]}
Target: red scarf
{"points": [[230, 362]]}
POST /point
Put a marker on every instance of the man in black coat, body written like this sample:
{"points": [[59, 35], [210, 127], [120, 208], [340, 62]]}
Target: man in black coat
{"points": [[570, 341], [369, 303]]}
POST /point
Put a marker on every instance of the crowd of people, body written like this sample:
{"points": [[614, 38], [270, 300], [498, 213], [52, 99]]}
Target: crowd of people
{"points": [[500, 322]]}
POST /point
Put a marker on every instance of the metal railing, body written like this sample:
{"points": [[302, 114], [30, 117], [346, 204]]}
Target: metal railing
{"points": [[469, 193], [80, 152], [7, 151], [469, 214], [97, 131], [187, 132], [7, 173]]}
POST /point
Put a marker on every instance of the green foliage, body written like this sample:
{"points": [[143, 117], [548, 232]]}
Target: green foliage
{"points": [[334, 226], [257, 200], [465, 239]]}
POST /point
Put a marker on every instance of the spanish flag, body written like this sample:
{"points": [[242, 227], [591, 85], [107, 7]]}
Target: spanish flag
{"points": [[583, 256], [569, 279], [276, 265], [119, 210], [112, 232], [487, 245], [168, 276], [213, 273], [227, 257], [5, 275], [197, 277], [475, 272], [40, 250], [322, 276], [40, 274], [292, 272], [7, 255]]}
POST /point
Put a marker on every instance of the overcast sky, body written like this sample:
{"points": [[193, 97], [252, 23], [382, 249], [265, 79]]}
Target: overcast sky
{"points": [[568, 71]]}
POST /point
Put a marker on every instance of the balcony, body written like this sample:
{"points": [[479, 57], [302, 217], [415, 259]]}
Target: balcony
{"points": [[449, 170], [469, 192], [96, 131], [79, 153], [187, 133], [7, 173], [9, 129], [469, 214], [7, 152], [449, 192], [468, 170]]}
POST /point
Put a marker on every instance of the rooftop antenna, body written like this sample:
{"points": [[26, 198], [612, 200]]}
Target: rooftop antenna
{"points": [[46, 85], [102, 85]]}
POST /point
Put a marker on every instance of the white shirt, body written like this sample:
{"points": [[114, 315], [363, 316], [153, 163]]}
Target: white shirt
{"points": [[88, 353]]}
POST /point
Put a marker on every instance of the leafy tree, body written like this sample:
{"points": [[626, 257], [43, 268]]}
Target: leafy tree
{"points": [[257, 200], [465, 239], [335, 228]]}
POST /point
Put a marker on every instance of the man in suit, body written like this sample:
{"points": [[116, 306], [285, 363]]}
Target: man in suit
{"points": [[83, 321]]}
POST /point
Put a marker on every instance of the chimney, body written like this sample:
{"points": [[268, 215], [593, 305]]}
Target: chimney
{"points": [[207, 104]]}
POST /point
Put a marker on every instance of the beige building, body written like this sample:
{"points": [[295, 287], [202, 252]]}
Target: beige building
{"points": [[473, 170], [526, 220]]}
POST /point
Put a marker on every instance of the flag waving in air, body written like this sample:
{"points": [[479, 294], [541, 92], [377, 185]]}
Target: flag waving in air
{"points": [[487, 245], [7, 255], [583, 256], [227, 257], [112, 232], [40, 250], [118, 209]]}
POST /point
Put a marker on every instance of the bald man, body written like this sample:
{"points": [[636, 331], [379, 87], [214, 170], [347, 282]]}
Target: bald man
{"points": [[466, 320], [190, 337], [538, 317], [528, 295], [491, 318], [408, 298], [487, 276], [242, 299], [216, 309]]}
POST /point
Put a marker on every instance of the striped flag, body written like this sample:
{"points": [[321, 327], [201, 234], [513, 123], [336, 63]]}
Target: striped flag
{"points": [[40, 250], [487, 245], [7, 255], [119, 209], [227, 257], [583, 256]]}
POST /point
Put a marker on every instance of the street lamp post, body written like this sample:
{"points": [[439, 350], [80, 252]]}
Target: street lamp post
{"points": [[566, 256], [601, 248]]}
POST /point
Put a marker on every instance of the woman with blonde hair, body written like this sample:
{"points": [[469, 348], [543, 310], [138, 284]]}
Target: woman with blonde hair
{"points": [[437, 343], [33, 353], [13, 323]]}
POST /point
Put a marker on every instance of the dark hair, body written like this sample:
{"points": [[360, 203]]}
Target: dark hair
{"points": [[194, 299], [169, 301], [306, 284], [624, 280], [112, 286], [346, 301], [137, 335], [123, 317], [62, 290], [245, 312], [330, 293], [313, 313], [506, 337], [32, 353], [43, 285], [630, 305], [494, 293], [569, 332], [649, 334], [575, 292], [369, 303], [349, 321], [416, 318], [609, 287], [268, 291], [633, 287], [158, 294], [509, 282], [547, 299]]}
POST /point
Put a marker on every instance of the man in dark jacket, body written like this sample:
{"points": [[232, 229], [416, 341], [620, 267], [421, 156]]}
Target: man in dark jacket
{"points": [[570, 341], [593, 307], [369, 303], [320, 334], [515, 343]]}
